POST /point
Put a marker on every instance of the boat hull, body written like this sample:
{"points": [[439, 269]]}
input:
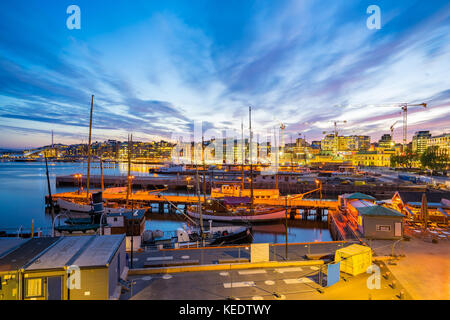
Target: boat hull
{"points": [[82, 208], [263, 217], [242, 237]]}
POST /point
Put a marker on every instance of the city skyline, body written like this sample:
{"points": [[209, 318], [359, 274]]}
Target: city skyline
{"points": [[156, 68]]}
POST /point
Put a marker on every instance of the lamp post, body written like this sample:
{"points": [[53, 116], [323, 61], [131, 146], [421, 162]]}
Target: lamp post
{"points": [[319, 185], [101, 225], [78, 177], [54, 220]]}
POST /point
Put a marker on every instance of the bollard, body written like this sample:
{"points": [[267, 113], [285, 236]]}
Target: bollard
{"points": [[402, 294], [393, 284], [387, 275]]}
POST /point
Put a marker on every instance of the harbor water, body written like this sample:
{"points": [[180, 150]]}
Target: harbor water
{"points": [[23, 187]]}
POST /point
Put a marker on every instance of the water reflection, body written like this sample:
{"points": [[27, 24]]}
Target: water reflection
{"points": [[23, 188]]}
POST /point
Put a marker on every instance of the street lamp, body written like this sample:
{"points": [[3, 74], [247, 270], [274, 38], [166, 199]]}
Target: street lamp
{"points": [[54, 220], [319, 185], [101, 221], [78, 177]]}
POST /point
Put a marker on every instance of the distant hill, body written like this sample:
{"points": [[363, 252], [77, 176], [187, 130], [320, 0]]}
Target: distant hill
{"points": [[5, 150]]}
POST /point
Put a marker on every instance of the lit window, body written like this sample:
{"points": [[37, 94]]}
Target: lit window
{"points": [[383, 228], [34, 287]]}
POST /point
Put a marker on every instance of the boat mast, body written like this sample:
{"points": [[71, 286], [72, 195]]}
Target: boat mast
{"points": [[101, 173], [251, 159], [204, 170], [243, 157], [130, 141], [48, 184], [276, 148], [89, 151], [199, 200]]}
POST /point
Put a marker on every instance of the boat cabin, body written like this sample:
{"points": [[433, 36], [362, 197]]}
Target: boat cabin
{"points": [[234, 190], [131, 223]]}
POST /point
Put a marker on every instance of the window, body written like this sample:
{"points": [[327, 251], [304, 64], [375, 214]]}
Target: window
{"points": [[383, 228], [115, 219], [34, 287]]}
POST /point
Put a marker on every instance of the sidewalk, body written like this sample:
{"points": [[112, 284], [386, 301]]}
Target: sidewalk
{"points": [[424, 271]]}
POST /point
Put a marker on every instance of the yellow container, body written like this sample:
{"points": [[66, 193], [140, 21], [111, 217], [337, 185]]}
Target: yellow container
{"points": [[355, 259]]}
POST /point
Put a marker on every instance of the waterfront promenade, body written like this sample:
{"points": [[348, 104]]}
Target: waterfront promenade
{"points": [[297, 278], [424, 271]]}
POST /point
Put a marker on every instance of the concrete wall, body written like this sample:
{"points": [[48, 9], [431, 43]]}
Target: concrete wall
{"points": [[370, 224]]}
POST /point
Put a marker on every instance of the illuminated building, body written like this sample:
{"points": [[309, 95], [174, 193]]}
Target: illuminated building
{"points": [[442, 142], [419, 141]]}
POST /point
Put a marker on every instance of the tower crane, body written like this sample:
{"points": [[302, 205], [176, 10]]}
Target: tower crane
{"points": [[405, 107], [392, 129]]}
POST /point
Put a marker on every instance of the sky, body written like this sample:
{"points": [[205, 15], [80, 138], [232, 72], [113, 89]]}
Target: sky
{"points": [[157, 67]]}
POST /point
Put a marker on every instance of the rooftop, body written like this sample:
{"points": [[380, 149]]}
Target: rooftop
{"points": [[432, 196], [136, 214], [378, 211], [358, 196], [82, 251], [100, 251], [60, 254], [25, 253], [8, 244]]}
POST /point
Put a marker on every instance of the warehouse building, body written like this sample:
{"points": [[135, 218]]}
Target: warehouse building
{"points": [[64, 268]]}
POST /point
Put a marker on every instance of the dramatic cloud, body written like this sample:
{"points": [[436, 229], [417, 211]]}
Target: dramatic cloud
{"points": [[155, 68]]}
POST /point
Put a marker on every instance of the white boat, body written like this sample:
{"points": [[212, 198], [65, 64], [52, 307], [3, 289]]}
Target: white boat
{"points": [[82, 208]]}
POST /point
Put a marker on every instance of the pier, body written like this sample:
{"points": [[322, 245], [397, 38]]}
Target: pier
{"points": [[297, 208], [181, 182]]}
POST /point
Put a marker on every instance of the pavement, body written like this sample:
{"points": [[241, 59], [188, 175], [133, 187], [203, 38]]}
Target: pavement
{"points": [[296, 252], [290, 283], [424, 271]]}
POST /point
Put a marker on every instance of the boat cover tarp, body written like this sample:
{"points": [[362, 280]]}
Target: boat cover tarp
{"points": [[236, 200]]}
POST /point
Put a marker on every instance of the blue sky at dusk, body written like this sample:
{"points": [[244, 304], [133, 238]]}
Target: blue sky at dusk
{"points": [[155, 67]]}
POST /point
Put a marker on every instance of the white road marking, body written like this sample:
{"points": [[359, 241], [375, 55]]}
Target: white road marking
{"points": [[293, 269], [252, 272], [239, 284], [224, 274], [135, 259], [269, 282], [296, 281], [167, 277], [146, 278], [257, 298], [314, 268], [159, 258], [184, 257]]}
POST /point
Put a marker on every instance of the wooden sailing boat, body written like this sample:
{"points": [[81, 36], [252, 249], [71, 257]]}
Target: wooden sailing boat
{"points": [[239, 209]]}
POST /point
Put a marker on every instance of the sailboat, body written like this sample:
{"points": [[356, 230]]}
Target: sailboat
{"points": [[237, 208]]}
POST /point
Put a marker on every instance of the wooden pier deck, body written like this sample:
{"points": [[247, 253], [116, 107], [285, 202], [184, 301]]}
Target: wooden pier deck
{"points": [[146, 197]]}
